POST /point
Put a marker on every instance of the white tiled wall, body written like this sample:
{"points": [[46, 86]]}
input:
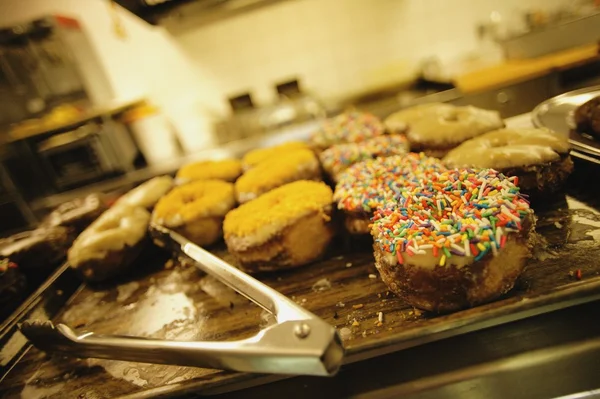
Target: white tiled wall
{"points": [[337, 47]]}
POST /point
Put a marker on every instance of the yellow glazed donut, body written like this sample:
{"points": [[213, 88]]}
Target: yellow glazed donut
{"points": [[227, 170], [276, 171], [254, 157], [287, 227], [196, 210], [147, 194]]}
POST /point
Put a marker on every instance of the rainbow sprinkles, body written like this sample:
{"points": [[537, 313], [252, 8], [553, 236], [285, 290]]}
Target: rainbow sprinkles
{"points": [[457, 213]]}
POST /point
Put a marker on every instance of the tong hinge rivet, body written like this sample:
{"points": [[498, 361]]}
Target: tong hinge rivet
{"points": [[302, 330]]}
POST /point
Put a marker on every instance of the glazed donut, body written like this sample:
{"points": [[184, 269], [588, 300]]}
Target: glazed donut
{"points": [[454, 239], [147, 194], [437, 128], [76, 214], [110, 244], [349, 127], [226, 169], [339, 157], [366, 185], [276, 171], [587, 117], [287, 227], [196, 210], [538, 157], [254, 157]]}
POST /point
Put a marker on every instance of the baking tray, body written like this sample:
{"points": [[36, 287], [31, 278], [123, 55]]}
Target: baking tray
{"points": [[556, 114], [343, 289]]}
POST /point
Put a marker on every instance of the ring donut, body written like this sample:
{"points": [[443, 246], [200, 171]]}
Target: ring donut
{"points": [[276, 171], [437, 128], [287, 227], [196, 210], [147, 194], [538, 157], [454, 239], [227, 169], [254, 157]]}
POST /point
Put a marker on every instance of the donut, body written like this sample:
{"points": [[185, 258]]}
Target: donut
{"points": [[76, 214], [196, 210], [226, 169], [13, 288], [366, 185], [147, 194], [437, 128], [587, 117], [37, 251], [339, 157], [349, 127], [254, 157], [110, 244], [538, 157], [287, 227], [276, 171], [453, 239]]}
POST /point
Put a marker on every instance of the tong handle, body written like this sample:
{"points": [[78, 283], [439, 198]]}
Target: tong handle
{"points": [[280, 349]]}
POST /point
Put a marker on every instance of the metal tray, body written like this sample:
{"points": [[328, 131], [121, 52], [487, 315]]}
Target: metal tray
{"points": [[343, 289], [557, 114]]}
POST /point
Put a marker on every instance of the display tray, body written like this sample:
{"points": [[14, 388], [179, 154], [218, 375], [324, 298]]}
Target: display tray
{"points": [[344, 289]]}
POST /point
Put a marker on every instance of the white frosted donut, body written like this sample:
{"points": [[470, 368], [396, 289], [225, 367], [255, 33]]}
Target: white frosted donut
{"points": [[509, 148], [147, 194], [119, 227]]}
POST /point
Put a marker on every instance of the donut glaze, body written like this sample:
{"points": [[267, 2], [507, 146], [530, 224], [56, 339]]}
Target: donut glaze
{"points": [[509, 148]]}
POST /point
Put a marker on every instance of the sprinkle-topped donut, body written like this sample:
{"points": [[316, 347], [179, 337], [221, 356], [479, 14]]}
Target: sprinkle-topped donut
{"points": [[226, 169], [438, 228], [349, 127], [338, 158], [458, 212], [365, 186]]}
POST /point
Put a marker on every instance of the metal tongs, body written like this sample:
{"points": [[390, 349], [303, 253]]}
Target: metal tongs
{"points": [[300, 342]]}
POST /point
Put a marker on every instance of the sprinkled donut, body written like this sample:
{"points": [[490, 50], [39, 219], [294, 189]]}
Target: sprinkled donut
{"points": [[276, 171], [254, 157], [538, 157], [287, 227], [366, 185], [349, 127], [437, 243], [437, 128], [196, 210], [338, 158], [227, 170]]}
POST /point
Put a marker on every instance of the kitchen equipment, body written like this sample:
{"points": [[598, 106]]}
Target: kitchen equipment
{"points": [[153, 133], [557, 114], [86, 153], [300, 343], [552, 38]]}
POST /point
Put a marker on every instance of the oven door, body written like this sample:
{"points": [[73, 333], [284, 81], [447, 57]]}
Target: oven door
{"points": [[75, 157]]}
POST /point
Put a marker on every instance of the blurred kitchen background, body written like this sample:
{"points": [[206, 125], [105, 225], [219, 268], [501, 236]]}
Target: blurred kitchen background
{"points": [[99, 94]]}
